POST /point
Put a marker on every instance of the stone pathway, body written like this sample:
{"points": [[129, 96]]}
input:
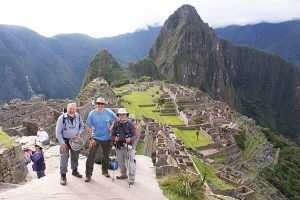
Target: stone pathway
{"points": [[145, 187]]}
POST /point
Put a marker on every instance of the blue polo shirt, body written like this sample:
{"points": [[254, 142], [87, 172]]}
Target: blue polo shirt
{"points": [[100, 123]]}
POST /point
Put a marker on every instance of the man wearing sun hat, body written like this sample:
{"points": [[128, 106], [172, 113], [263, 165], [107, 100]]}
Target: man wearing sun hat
{"points": [[124, 134], [98, 125]]}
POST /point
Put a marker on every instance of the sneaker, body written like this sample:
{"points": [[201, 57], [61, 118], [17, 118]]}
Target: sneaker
{"points": [[106, 174], [122, 177], [63, 179], [76, 173], [87, 179]]}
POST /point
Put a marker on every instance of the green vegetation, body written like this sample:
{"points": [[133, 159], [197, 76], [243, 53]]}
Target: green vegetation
{"points": [[189, 138], [240, 139], [250, 139], [134, 99], [286, 174], [210, 176], [5, 140], [144, 68], [116, 77], [140, 148], [182, 187], [219, 158]]}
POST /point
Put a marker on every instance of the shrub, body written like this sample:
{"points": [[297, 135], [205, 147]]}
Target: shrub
{"points": [[184, 185]]}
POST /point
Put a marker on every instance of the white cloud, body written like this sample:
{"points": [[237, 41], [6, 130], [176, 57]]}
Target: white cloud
{"points": [[99, 18]]}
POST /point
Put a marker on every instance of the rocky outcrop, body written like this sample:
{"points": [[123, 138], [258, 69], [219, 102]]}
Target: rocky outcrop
{"points": [[12, 165]]}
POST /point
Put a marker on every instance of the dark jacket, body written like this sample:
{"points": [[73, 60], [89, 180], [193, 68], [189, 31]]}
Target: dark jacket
{"points": [[38, 160], [123, 130]]}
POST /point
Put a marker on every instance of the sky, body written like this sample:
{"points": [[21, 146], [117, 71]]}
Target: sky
{"points": [[105, 18]]}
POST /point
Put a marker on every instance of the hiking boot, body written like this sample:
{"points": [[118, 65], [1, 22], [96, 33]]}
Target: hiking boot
{"points": [[122, 177], [63, 179], [131, 182], [76, 173], [106, 174], [87, 179]]}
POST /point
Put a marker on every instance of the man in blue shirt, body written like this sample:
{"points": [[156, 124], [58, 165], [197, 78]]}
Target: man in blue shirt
{"points": [[98, 125]]}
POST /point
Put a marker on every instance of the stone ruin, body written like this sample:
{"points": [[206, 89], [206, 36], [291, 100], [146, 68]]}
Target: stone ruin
{"points": [[22, 118], [171, 155], [216, 124]]}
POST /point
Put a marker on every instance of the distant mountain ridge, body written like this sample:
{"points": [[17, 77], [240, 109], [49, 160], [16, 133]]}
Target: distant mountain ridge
{"points": [[55, 66], [280, 38]]}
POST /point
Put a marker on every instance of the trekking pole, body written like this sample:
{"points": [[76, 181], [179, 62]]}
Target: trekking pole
{"points": [[114, 164], [128, 167], [128, 181]]}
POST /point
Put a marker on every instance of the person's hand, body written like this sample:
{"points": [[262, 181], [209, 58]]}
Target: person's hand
{"points": [[29, 151], [92, 143], [63, 147], [128, 140]]}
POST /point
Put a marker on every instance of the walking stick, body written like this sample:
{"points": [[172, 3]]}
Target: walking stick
{"points": [[128, 157], [114, 164]]}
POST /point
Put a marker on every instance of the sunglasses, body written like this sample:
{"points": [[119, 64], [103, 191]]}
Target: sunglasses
{"points": [[98, 103]]}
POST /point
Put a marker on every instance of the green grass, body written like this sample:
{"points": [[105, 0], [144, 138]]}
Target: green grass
{"points": [[219, 158], [152, 91], [190, 139], [5, 140], [211, 179], [142, 98], [140, 148]]}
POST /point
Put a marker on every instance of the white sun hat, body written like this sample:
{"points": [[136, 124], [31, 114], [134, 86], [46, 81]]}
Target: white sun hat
{"points": [[122, 111]]}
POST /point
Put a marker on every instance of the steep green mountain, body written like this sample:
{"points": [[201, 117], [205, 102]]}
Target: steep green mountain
{"points": [[187, 52], [280, 38], [55, 66], [104, 65], [142, 68], [258, 84]]}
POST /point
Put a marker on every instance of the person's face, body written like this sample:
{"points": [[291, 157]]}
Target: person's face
{"points": [[100, 105], [71, 111], [122, 117]]}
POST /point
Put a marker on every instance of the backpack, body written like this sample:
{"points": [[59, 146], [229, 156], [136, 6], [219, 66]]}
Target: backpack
{"points": [[65, 116], [113, 164], [127, 126]]}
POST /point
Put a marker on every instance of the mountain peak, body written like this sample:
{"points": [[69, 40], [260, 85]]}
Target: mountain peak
{"points": [[186, 14]]}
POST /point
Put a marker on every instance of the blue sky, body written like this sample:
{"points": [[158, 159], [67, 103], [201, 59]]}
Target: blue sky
{"points": [[103, 18]]}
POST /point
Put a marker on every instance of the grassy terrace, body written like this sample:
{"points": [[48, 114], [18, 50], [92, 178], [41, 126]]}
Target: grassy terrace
{"points": [[211, 179], [137, 98], [5, 140], [190, 139]]}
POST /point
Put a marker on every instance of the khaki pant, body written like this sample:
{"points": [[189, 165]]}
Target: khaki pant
{"points": [[105, 147]]}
